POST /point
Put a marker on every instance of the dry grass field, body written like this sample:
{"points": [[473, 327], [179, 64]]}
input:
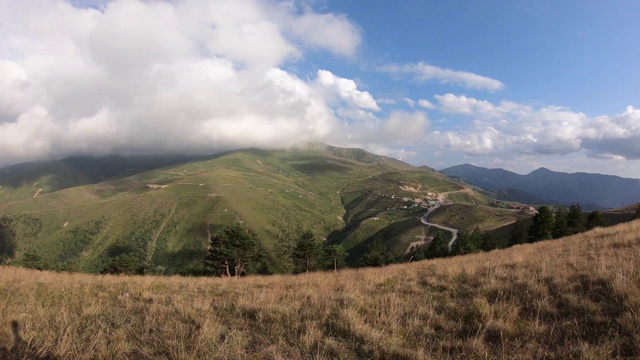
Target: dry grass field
{"points": [[577, 297]]}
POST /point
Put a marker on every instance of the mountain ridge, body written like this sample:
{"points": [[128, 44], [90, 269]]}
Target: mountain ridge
{"points": [[591, 190]]}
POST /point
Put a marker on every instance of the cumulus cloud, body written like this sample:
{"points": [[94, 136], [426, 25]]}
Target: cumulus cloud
{"points": [[347, 91], [509, 129], [409, 101], [423, 72], [399, 128], [330, 32], [424, 103], [134, 76], [406, 126], [615, 137], [387, 101]]}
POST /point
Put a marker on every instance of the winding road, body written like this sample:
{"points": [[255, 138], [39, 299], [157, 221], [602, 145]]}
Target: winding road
{"points": [[453, 231]]}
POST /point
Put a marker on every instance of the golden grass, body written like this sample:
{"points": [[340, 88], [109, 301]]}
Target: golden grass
{"points": [[578, 297]]}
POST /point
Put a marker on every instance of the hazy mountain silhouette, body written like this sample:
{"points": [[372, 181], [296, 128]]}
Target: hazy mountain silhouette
{"points": [[592, 191]]}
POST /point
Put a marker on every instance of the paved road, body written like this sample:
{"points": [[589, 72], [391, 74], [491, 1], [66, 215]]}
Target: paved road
{"points": [[453, 231]]}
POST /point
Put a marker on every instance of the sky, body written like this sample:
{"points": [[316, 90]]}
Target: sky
{"points": [[511, 84]]}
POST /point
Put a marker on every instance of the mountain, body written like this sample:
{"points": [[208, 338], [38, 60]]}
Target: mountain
{"points": [[512, 194], [592, 191], [98, 210], [27, 180]]}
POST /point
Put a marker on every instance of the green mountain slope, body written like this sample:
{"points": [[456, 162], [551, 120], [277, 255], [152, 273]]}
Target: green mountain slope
{"points": [[29, 180], [164, 216]]}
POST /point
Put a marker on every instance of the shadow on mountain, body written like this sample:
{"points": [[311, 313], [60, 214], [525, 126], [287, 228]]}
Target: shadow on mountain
{"points": [[315, 165]]}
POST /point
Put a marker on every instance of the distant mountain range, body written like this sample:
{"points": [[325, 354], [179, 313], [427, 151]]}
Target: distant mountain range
{"points": [[591, 191]]}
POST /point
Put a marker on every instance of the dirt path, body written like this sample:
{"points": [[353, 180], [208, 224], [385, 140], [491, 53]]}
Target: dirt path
{"points": [[441, 196], [36, 194], [152, 244]]}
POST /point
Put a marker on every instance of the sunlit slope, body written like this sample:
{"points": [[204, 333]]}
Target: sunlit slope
{"points": [[165, 215]]}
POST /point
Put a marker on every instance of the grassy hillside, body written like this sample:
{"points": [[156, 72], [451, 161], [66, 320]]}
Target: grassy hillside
{"points": [[29, 180], [466, 217], [163, 216], [577, 297]]}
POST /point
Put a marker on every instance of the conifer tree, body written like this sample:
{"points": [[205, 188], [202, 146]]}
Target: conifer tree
{"points": [[378, 255], [561, 226], [542, 226], [438, 247], [519, 233], [467, 243], [575, 219], [595, 219], [307, 252], [233, 251], [336, 256]]}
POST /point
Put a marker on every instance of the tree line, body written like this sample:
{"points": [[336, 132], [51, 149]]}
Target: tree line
{"points": [[546, 224], [549, 224], [235, 251]]}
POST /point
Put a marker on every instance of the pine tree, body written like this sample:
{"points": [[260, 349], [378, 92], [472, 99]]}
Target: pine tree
{"points": [[233, 251], [378, 255], [595, 219], [129, 264], [7, 243], [489, 242], [285, 245], [336, 256], [467, 243], [438, 247], [561, 226], [307, 252], [519, 233], [542, 226], [575, 219]]}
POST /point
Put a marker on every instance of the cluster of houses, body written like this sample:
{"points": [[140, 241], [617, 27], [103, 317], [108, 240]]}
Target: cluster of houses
{"points": [[526, 208]]}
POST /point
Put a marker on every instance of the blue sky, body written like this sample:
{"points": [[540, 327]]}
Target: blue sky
{"points": [[550, 52], [512, 84]]}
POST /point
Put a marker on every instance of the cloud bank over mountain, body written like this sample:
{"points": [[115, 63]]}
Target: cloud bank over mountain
{"points": [[189, 76], [198, 76]]}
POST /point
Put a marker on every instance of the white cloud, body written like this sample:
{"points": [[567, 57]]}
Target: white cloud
{"points": [[509, 129], [424, 72], [400, 128], [347, 91], [424, 103], [409, 101], [386, 101], [615, 137], [153, 76], [326, 31], [406, 126]]}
